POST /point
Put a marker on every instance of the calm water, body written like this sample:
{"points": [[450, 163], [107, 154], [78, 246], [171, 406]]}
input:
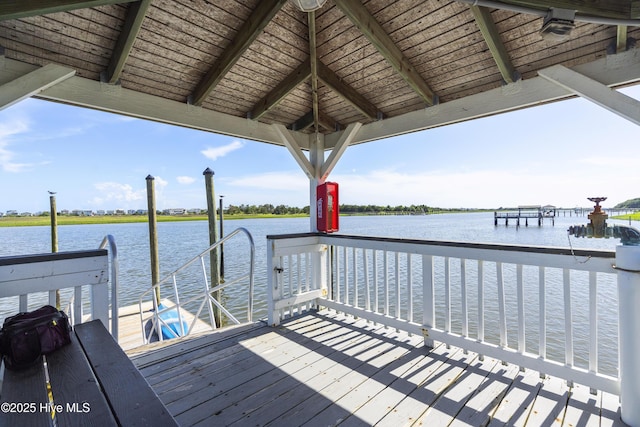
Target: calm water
{"points": [[181, 241]]}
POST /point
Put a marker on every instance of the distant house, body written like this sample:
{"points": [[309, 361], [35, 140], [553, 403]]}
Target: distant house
{"points": [[111, 212], [174, 211], [100, 212], [12, 213], [142, 212], [120, 212]]}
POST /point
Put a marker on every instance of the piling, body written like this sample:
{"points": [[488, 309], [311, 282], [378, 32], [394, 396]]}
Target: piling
{"points": [[53, 213], [153, 235], [221, 245], [215, 272]]}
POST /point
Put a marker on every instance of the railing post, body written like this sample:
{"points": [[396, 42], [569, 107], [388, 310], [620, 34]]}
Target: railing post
{"points": [[274, 290], [628, 265]]}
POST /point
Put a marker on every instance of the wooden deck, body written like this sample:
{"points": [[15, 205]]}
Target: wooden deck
{"points": [[327, 369]]}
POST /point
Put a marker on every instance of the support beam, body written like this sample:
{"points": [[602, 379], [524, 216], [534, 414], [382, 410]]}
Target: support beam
{"points": [[132, 26], [316, 158], [487, 27], [367, 24], [246, 35], [32, 83], [15, 9], [614, 101], [313, 59], [611, 71], [299, 75], [347, 136], [352, 96], [295, 150]]}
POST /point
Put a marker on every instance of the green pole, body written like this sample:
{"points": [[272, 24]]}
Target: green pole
{"points": [[215, 273]]}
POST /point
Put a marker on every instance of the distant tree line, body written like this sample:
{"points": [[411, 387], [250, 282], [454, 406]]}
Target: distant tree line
{"points": [[344, 209], [629, 204]]}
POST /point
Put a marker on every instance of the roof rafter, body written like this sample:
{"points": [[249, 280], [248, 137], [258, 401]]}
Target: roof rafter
{"points": [[308, 120], [487, 27], [14, 9], [299, 75], [329, 78], [367, 24], [132, 26], [246, 35], [313, 59]]}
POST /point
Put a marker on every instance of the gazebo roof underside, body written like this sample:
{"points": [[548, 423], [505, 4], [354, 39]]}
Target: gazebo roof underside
{"points": [[237, 67]]}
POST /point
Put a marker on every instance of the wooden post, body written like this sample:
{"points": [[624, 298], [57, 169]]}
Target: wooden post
{"points": [[215, 273], [53, 213], [153, 235], [221, 245]]}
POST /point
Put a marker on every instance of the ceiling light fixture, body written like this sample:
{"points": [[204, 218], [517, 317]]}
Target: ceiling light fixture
{"points": [[558, 23], [308, 5]]}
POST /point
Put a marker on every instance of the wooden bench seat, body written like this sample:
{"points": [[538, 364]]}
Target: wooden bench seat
{"points": [[93, 382]]}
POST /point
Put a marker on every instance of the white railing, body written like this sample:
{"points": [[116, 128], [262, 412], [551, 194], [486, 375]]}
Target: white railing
{"points": [[180, 313], [547, 309], [81, 277]]}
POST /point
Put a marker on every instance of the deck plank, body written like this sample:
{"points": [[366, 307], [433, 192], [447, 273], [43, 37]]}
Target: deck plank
{"points": [[327, 368], [550, 404], [583, 408], [515, 406]]}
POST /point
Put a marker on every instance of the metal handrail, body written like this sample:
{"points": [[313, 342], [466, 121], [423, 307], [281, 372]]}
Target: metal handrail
{"points": [[158, 322], [110, 241]]}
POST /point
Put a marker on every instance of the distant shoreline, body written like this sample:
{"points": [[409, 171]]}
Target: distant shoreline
{"points": [[123, 219]]}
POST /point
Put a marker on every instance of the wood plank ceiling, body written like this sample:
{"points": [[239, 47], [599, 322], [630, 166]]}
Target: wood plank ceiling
{"points": [[349, 61]]}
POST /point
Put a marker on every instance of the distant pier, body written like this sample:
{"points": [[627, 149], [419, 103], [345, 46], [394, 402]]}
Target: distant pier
{"points": [[526, 213]]}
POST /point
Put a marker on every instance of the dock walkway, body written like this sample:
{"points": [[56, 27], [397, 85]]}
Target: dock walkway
{"points": [[328, 369]]}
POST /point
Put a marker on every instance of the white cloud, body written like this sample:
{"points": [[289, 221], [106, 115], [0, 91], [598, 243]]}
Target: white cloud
{"points": [[114, 193], [8, 129], [214, 153], [185, 180]]}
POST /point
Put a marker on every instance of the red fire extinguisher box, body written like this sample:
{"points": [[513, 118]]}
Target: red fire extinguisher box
{"points": [[327, 205]]}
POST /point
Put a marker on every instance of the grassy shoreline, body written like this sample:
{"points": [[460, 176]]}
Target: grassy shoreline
{"points": [[121, 219]]}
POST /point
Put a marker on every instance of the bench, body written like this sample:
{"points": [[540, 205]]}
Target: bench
{"points": [[92, 382]]}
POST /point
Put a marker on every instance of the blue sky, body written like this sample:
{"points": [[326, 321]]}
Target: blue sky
{"points": [[556, 154]]}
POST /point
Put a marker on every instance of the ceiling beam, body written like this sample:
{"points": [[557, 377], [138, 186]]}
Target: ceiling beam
{"points": [[367, 24], [15, 9], [313, 59], [329, 78], [246, 35], [33, 82], [487, 27], [273, 98], [132, 26], [612, 100]]}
